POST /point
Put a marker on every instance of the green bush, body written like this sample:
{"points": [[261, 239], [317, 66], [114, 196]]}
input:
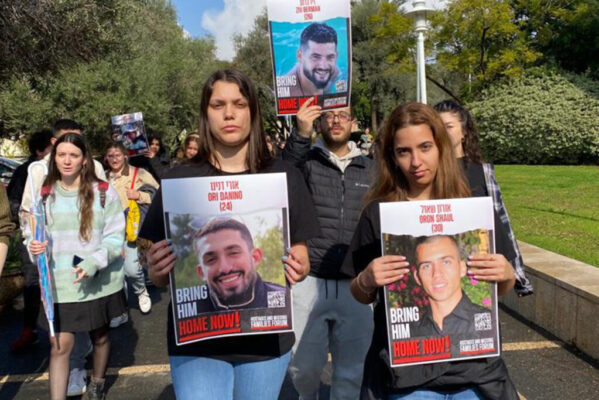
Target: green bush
{"points": [[544, 117]]}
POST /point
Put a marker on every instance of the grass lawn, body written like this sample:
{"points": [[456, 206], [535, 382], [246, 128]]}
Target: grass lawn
{"points": [[554, 207]]}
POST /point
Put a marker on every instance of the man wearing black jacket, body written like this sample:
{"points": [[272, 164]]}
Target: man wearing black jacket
{"points": [[327, 318]]}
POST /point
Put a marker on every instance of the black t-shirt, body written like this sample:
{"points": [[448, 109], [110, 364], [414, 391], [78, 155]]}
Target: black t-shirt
{"points": [[302, 226], [459, 322], [489, 375]]}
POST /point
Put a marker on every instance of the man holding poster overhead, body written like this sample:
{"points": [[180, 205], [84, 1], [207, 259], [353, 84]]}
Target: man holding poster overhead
{"points": [[327, 317]]}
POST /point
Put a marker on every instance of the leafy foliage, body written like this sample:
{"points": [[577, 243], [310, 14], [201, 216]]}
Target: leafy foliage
{"points": [[481, 39], [544, 117], [564, 31], [141, 62]]}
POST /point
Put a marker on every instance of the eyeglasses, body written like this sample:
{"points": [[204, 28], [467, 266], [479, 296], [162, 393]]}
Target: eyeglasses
{"points": [[343, 117]]}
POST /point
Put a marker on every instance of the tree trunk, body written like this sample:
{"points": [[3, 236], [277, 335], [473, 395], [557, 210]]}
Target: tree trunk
{"points": [[374, 124]]}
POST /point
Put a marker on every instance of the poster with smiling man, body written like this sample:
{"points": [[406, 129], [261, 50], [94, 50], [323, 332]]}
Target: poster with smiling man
{"points": [[311, 53], [438, 311], [228, 279]]}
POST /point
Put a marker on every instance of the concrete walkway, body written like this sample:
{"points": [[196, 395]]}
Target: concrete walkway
{"points": [[541, 367]]}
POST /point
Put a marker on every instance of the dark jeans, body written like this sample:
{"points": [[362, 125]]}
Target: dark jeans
{"points": [[31, 293]]}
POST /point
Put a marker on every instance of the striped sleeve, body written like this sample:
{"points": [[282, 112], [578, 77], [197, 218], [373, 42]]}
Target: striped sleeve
{"points": [[113, 236]]}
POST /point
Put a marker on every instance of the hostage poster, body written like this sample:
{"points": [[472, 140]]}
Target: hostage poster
{"points": [[438, 311], [130, 131], [311, 53], [229, 238]]}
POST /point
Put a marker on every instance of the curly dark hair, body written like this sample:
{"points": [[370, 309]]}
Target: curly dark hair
{"points": [[471, 144]]}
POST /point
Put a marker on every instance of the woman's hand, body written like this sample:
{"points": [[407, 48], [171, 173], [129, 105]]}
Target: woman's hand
{"points": [[492, 268], [80, 272], [161, 260], [383, 271], [380, 272], [132, 194], [297, 263], [36, 248]]}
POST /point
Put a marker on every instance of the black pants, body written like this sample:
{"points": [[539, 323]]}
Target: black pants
{"points": [[31, 293]]}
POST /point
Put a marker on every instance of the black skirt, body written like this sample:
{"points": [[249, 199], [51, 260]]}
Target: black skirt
{"points": [[85, 316]]}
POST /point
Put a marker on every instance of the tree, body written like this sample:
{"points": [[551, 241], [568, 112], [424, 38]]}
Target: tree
{"points": [[253, 57], [38, 36], [382, 57], [481, 40], [564, 31], [153, 69]]}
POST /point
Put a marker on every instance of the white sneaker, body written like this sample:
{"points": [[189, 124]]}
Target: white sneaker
{"points": [[145, 303], [120, 320], [77, 384]]}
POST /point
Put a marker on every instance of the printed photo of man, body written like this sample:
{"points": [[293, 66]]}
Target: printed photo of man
{"points": [[439, 270], [316, 71], [228, 262]]}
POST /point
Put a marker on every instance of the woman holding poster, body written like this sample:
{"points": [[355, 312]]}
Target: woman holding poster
{"points": [[417, 163], [232, 142], [86, 231]]}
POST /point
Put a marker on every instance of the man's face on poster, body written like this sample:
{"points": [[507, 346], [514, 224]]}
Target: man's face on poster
{"points": [[440, 269], [131, 135], [228, 265], [317, 62]]}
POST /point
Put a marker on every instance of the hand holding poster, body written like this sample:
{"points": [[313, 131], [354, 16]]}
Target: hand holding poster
{"points": [[130, 131], [439, 312], [311, 52], [228, 279]]}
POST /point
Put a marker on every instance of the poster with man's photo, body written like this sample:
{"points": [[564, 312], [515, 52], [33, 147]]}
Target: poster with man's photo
{"points": [[439, 311], [130, 131], [310, 42], [229, 238]]}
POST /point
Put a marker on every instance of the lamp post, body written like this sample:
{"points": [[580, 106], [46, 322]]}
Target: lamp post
{"points": [[419, 14]]}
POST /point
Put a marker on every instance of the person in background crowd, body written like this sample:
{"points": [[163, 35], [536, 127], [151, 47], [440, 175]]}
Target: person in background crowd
{"points": [[190, 147], [327, 317], [157, 160], [6, 226], [232, 141], [416, 162], [465, 140], [83, 346], [129, 183], [85, 225], [39, 145]]}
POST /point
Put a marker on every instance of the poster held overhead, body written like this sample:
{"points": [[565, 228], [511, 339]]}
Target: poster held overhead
{"points": [[129, 130], [311, 53], [228, 278], [438, 311]]}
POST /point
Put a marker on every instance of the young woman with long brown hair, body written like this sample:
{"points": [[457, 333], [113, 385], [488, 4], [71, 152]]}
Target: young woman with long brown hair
{"points": [[416, 162], [86, 229], [232, 141]]}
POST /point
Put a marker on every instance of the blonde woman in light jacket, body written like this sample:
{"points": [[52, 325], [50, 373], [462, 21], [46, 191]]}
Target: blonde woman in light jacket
{"points": [[127, 181]]}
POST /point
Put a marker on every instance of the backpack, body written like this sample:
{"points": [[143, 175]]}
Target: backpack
{"points": [[133, 216], [102, 188]]}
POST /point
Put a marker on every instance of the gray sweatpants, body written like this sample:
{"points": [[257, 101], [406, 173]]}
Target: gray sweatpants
{"points": [[328, 319]]}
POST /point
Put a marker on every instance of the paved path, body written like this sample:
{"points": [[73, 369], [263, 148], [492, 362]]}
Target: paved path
{"points": [[541, 367]]}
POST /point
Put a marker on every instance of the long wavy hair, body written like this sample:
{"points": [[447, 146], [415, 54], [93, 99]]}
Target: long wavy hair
{"points": [[87, 178], [390, 183], [471, 143], [258, 155]]}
